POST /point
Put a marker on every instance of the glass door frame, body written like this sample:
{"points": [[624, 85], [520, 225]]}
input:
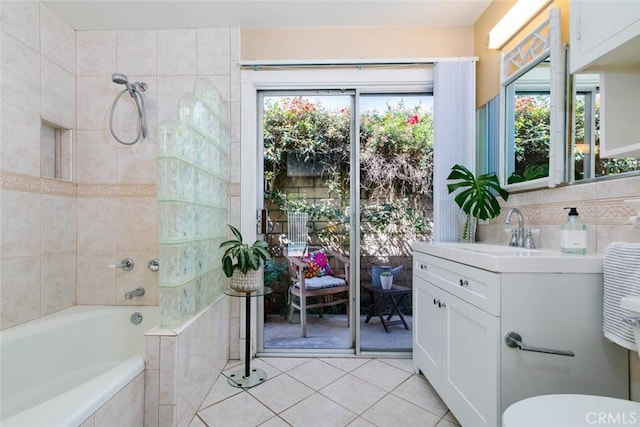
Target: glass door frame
{"points": [[418, 79]]}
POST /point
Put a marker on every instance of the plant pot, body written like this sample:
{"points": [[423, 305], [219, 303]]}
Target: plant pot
{"points": [[246, 282], [467, 225], [386, 282]]}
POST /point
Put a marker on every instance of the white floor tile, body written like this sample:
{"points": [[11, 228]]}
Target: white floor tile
{"points": [[404, 364], [316, 374], [346, 364], [285, 363], [241, 410], [353, 393], [418, 391], [220, 391], [280, 393], [385, 376], [318, 411], [392, 411], [197, 422], [275, 422], [361, 422]]}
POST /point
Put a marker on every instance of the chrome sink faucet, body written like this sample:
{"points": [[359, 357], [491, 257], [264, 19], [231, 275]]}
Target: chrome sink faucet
{"points": [[137, 292], [518, 238]]}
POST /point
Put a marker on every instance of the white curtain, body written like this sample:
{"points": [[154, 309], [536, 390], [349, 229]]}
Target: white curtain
{"points": [[454, 91]]}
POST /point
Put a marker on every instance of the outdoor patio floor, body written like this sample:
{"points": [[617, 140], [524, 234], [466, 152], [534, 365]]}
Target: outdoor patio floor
{"points": [[331, 332]]}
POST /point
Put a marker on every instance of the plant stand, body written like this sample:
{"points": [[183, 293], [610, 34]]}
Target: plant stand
{"points": [[247, 377]]}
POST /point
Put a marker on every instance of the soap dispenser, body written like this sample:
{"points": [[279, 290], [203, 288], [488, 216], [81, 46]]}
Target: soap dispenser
{"points": [[573, 235]]}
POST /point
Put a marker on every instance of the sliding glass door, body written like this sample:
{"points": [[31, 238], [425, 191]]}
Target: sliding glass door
{"points": [[346, 178]]}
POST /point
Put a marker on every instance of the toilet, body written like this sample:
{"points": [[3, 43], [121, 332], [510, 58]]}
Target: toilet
{"points": [[578, 410]]}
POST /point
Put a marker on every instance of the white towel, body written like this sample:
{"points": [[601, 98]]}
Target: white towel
{"points": [[621, 270]]}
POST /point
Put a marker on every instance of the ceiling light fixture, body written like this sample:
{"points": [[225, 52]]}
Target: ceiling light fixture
{"points": [[516, 18]]}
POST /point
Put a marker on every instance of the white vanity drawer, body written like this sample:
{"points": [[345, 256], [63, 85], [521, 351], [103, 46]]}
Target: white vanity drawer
{"points": [[478, 287]]}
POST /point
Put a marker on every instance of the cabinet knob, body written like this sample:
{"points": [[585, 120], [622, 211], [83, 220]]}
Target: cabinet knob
{"points": [[434, 301], [464, 282], [443, 305], [423, 267]]}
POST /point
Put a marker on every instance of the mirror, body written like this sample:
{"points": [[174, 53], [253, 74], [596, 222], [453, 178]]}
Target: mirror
{"points": [[533, 110], [585, 162], [487, 137]]}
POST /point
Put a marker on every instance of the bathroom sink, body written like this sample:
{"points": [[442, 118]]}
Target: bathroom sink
{"points": [[507, 259]]}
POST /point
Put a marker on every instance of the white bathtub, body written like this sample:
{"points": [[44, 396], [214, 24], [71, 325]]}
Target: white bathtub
{"points": [[59, 369]]}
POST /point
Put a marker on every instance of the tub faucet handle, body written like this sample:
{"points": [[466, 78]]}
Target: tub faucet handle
{"points": [[126, 264]]}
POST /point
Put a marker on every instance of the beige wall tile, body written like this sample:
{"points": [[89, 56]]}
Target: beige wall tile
{"points": [[137, 163], [58, 224], [571, 193], [177, 52], [95, 96], [20, 291], [97, 224], [137, 224], [20, 148], [168, 370], [235, 123], [97, 156], [235, 81], [20, 224], [167, 415], [170, 90], [58, 101], [96, 53], [124, 409], [151, 390], [57, 39], [21, 67], [624, 187], [96, 280], [136, 52], [152, 352], [214, 51], [234, 43], [607, 234], [21, 19], [58, 281]]}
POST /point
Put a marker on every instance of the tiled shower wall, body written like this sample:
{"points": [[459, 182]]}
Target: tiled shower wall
{"points": [[38, 223], [59, 237]]}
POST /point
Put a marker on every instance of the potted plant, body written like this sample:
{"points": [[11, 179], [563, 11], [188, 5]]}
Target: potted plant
{"points": [[243, 263], [477, 198], [386, 280]]}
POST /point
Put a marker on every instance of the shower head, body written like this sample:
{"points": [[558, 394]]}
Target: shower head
{"points": [[119, 78]]}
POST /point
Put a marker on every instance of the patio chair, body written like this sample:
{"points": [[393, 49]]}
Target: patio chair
{"points": [[321, 274]]}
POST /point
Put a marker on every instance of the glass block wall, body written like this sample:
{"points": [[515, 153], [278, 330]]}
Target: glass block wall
{"points": [[193, 176]]}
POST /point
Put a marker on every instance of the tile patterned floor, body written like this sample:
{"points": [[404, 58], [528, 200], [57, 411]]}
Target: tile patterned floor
{"points": [[326, 392]]}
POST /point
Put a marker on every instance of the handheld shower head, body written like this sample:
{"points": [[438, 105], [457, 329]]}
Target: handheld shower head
{"points": [[120, 79]]}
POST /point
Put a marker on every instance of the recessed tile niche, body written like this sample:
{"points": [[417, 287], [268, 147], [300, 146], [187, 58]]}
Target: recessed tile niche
{"points": [[55, 151]]}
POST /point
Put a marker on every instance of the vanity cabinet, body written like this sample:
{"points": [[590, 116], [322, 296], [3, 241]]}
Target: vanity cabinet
{"points": [[603, 33], [462, 314]]}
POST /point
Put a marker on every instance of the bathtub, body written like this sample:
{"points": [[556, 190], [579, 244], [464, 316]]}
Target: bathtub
{"points": [[59, 369]]}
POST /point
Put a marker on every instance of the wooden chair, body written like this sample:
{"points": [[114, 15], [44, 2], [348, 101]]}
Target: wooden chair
{"points": [[323, 288]]}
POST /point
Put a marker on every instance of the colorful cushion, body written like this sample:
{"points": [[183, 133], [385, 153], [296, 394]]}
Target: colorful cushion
{"points": [[317, 264]]}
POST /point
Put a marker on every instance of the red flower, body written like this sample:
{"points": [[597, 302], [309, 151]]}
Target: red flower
{"points": [[413, 119]]}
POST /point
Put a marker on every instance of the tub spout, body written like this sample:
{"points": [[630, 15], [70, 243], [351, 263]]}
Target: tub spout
{"points": [[137, 292]]}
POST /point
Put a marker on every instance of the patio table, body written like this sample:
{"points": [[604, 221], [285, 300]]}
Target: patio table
{"points": [[386, 303]]}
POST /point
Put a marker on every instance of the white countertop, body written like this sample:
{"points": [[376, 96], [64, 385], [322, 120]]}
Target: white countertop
{"points": [[506, 259]]}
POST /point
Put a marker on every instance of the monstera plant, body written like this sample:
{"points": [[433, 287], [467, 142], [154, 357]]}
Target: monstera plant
{"points": [[477, 197]]}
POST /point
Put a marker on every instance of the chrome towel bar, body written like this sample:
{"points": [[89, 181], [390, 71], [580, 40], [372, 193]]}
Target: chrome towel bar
{"points": [[514, 340]]}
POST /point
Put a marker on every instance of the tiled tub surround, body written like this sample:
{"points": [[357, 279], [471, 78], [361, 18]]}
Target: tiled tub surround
{"points": [[63, 368], [182, 365]]}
